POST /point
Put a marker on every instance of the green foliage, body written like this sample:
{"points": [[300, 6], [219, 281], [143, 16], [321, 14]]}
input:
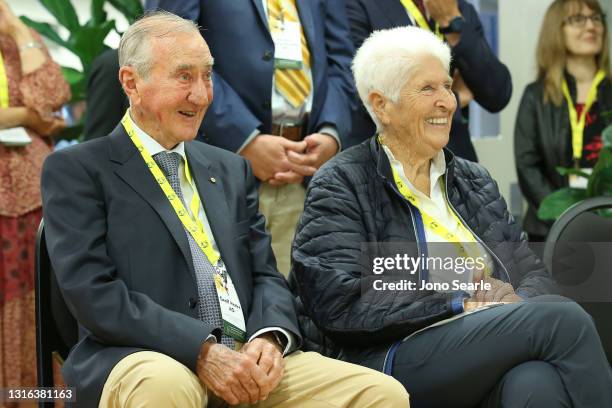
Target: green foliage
{"points": [[599, 182], [85, 41]]}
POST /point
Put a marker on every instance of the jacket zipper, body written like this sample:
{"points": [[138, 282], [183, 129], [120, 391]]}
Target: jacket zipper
{"points": [[416, 237]]}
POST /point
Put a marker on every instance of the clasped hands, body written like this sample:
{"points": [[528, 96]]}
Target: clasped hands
{"points": [[242, 377], [280, 161], [500, 292]]}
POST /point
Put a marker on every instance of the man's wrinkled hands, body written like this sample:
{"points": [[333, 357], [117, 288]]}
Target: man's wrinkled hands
{"points": [[232, 376], [267, 354]]}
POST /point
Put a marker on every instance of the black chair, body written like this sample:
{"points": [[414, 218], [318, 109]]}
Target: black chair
{"points": [[56, 328], [578, 253]]}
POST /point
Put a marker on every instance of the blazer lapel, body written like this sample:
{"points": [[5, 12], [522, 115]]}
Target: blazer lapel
{"points": [[262, 13], [214, 201], [305, 13], [134, 172], [395, 12]]}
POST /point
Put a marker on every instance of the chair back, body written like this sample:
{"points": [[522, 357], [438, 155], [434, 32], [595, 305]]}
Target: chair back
{"points": [[578, 253], [56, 328]]}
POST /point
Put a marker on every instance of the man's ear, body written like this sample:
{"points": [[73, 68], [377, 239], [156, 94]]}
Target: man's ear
{"points": [[128, 77], [380, 105]]}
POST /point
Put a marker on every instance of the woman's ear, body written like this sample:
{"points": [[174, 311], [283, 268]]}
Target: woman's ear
{"points": [[380, 106]]}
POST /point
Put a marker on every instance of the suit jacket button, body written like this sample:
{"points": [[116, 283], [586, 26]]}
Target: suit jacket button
{"points": [[267, 56], [266, 105], [193, 302]]}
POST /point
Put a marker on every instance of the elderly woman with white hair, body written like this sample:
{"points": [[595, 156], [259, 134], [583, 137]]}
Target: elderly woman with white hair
{"points": [[493, 334]]}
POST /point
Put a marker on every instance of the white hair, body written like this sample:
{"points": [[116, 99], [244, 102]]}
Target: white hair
{"points": [[386, 58], [135, 47]]}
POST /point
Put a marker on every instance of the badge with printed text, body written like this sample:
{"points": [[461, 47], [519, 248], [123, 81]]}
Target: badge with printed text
{"points": [[231, 311], [288, 46]]}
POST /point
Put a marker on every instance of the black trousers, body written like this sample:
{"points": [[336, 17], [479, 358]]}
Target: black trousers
{"points": [[544, 352]]}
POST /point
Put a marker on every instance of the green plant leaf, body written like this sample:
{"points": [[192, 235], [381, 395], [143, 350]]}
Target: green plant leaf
{"points": [[131, 9], [77, 81], [556, 203], [600, 181], [64, 13], [98, 15], [606, 136], [45, 30], [564, 171], [88, 42]]}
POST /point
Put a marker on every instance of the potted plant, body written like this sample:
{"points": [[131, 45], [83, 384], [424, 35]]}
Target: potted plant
{"points": [[85, 41]]}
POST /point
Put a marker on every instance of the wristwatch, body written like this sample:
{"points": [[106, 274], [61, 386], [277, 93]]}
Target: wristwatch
{"points": [[455, 26]]}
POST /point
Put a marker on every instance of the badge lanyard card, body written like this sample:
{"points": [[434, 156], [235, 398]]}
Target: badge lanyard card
{"points": [[287, 37]]}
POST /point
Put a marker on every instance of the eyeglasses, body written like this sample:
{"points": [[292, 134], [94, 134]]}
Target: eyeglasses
{"points": [[579, 20]]}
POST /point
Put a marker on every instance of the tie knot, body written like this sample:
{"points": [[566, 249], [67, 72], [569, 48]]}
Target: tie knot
{"points": [[168, 162]]}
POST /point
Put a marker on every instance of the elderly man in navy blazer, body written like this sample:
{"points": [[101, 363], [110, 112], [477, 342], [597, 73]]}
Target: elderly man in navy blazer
{"points": [[253, 102], [162, 256]]}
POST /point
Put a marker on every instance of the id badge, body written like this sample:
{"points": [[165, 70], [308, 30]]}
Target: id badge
{"points": [[231, 311], [579, 182], [288, 46]]}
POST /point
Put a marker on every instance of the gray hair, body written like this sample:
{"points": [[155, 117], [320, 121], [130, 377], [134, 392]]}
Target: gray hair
{"points": [[135, 47], [386, 59]]}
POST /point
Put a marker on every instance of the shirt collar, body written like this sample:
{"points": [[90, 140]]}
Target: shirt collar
{"points": [[152, 145], [436, 169]]}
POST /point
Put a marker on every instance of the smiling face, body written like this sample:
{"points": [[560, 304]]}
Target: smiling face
{"points": [[170, 103], [423, 114], [586, 39]]}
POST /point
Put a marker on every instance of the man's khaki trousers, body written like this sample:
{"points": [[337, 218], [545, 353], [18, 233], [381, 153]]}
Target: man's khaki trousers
{"points": [[149, 379], [282, 206]]}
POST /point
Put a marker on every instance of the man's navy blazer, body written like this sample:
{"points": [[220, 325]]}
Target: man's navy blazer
{"points": [[240, 41], [123, 261]]}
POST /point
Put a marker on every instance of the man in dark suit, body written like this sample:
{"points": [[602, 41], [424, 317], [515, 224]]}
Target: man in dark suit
{"points": [[162, 257], [106, 102], [251, 110], [477, 73]]}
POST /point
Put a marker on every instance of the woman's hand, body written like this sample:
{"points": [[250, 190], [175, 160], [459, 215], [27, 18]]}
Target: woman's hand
{"points": [[46, 127]]}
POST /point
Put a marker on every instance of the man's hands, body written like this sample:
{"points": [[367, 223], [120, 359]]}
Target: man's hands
{"points": [[280, 161], [442, 11], [247, 376]]}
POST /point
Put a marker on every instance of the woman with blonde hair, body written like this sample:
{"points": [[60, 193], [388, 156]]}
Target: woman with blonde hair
{"points": [[562, 113]]}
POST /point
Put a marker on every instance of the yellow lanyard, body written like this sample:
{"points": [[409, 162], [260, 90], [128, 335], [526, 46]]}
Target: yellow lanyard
{"points": [[414, 11], [576, 122], [4, 90], [431, 224], [194, 227]]}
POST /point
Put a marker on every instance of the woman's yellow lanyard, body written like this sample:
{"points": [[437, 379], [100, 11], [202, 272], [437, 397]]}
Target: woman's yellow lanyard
{"points": [[4, 89], [431, 224], [578, 123], [194, 226], [414, 11]]}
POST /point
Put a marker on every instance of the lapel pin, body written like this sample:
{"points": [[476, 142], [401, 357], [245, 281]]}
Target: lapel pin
{"points": [[213, 180]]}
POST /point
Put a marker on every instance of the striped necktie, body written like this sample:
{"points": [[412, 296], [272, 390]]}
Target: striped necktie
{"points": [[293, 84]]}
